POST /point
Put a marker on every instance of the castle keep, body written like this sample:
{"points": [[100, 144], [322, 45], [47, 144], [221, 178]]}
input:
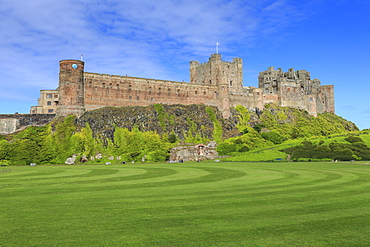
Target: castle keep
{"points": [[216, 83]]}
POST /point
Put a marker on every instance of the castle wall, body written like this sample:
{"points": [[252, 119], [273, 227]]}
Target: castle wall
{"points": [[110, 90], [216, 83]]}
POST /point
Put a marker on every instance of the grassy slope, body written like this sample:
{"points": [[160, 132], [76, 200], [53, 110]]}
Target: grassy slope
{"points": [[272, 153], [190, 204]]}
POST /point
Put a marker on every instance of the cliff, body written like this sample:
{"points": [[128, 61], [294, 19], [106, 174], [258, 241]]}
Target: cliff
{"points": [[177, 119]]}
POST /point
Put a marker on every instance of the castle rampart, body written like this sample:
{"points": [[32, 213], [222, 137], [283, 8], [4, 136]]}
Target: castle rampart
{"points": [[216, 83]]}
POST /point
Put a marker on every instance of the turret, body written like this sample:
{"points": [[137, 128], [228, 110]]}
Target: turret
{"points": [[71, 88]]}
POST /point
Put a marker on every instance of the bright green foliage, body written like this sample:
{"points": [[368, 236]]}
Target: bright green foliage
{"points": [[273, 136], [244, 117], [355, 150], [161, 115], [217, 127], [135, 145], [295, 123], [243, 143], [194, 134], [64, 143]]}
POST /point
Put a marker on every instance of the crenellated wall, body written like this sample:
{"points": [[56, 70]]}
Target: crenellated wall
{"points": [[215, 83]]}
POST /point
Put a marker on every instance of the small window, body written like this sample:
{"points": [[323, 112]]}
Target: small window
{"points": [[49, 95], [231, 83], [103, 84], [151, 99], [137, 98], [196, 92], [130, 97], [48, 103], [55, 96], [50, 110]]}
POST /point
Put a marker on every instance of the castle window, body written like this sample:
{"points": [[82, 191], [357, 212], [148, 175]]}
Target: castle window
{"points": [[117, 85], [50, 110], [55, 96], [48, 103], [151, 99], [169, 91], [231, 83], [196, 92], [210, 81], [129, 87], [103, 84], [110, 84], [204, 93], [137, 98], [49, 95], [130, 97], [258, 93]]}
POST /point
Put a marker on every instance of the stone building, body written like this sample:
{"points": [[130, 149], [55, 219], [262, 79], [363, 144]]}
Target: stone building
{"points": [[216, 83]]}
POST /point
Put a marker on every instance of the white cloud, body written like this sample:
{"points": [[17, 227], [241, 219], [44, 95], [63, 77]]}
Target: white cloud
{"points": [[154, 39]]}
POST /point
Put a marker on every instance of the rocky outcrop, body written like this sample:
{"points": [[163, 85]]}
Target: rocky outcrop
{"points": [[10, 123], [177, 119]]}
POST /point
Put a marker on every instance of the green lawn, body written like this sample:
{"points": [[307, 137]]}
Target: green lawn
{"points": [[188, 204]]}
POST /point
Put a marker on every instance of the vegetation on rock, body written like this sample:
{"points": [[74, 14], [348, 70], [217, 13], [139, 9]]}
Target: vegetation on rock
{"points": [[147, 134]]}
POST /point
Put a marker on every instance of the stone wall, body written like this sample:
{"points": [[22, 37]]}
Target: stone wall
{"points": [[10, 123], [214, 83], [110, 90]]}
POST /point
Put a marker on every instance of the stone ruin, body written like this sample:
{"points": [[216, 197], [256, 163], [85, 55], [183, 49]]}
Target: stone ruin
{"points": [[193, 152]]}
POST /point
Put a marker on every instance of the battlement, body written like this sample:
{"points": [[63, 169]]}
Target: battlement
{"points": [[215, 83]]}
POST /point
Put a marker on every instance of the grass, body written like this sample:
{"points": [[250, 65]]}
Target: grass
{"points": [[188, 204]]}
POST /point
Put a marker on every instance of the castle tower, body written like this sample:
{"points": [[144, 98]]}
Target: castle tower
{"points": [[226, 76], [71, 88]]}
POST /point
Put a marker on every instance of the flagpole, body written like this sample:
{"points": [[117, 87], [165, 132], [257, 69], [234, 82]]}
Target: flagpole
{"points": [[217, 47]]}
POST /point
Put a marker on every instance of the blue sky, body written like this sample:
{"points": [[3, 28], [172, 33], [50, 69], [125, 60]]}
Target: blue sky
{"points": [[157, 39]]}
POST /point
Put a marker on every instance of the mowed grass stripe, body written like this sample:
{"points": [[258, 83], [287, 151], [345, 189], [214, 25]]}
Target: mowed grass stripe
{"points": [[206, 204]]}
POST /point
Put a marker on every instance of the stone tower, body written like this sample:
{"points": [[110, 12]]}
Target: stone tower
{"points": [[71, 88], [226, 76]]}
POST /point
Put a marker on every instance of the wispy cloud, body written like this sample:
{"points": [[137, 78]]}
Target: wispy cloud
{"points": [[154, 39]]}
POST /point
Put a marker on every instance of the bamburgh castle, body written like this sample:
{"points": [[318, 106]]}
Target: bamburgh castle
{"points": [[216, 83]]}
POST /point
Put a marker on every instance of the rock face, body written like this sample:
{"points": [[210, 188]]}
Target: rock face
{"points": [[10, 123], [191, 152], [177, 119]]}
